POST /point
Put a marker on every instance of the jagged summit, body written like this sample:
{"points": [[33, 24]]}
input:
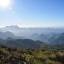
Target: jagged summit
{"points": [[12, 26]]}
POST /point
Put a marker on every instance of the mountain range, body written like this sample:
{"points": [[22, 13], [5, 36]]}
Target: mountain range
{"points": [[19, 31], [46, 35]]}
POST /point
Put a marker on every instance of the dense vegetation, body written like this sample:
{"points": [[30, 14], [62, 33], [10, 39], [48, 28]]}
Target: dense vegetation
{"points": [[30, 56], [27, 51]]}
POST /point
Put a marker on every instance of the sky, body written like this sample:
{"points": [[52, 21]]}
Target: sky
{"points": [[32, 13]]}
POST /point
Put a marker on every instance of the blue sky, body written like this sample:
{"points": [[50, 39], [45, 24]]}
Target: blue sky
{"points": [[33, 13]]}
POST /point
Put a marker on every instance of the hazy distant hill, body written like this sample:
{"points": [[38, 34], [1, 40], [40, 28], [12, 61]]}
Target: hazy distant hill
{"points": [[59, 39], [48, 35], [30, 31], [5, 35], [22, 43]]}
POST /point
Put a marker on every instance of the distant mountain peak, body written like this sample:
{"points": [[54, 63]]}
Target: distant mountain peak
{"points": [[12, 26]]}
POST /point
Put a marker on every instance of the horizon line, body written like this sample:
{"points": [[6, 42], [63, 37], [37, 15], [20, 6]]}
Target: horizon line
{"points": [[20, 26]]}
